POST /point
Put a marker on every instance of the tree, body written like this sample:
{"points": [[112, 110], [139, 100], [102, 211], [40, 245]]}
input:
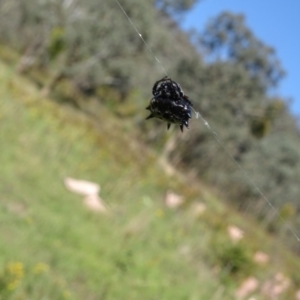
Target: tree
{"points": [[175, 6], [232, 93], [227, 37]]}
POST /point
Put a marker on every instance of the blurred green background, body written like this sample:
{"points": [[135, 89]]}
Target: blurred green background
{"points": [[179, 220]]}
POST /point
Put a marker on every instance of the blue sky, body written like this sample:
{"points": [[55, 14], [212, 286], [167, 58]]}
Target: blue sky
{"points": [[275, 22]]}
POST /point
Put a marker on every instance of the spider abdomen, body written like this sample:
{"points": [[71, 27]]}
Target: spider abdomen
{"points": [[170, 104]]}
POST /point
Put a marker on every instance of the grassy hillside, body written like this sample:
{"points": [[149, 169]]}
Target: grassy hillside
{"points": [[53, 247]]}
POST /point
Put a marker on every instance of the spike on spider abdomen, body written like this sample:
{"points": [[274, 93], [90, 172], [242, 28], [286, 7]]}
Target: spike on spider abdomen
{"points": [[170, 104]]}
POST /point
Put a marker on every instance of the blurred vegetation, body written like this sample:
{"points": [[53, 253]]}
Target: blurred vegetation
{"points": [[52, 247], [86, 56]]}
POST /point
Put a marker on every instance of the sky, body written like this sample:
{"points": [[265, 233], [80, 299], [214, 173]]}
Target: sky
{"points": [[275, 22]]}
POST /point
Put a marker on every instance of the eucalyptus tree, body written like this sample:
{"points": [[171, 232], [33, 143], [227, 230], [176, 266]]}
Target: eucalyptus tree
{"points": [[233, 93]]}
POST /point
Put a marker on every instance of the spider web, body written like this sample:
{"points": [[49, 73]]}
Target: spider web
{"points": [[227, 269], [216, 136]]}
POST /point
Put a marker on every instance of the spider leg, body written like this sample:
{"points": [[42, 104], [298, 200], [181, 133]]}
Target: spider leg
{"points": [[150, 116], [169, 124], [181, 127]]}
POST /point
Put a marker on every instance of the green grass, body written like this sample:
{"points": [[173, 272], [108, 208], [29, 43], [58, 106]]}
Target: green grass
{"points": [[52, 247]]}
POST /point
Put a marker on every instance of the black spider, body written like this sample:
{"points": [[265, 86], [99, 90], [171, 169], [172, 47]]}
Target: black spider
{"points": [[169, 103]]}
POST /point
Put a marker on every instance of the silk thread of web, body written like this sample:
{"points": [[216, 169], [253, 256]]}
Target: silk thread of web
{"points": [[216, 136]]}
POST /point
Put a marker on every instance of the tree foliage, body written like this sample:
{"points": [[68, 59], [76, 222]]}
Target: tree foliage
{"points": [[91, 42], [232, 93], [228, 38], [175, 6]]}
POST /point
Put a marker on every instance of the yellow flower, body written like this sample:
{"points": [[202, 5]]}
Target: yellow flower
{"points": [[29, 220], [159, 213], [13, 285], [15, 270], [41, 268], [66, 294]]}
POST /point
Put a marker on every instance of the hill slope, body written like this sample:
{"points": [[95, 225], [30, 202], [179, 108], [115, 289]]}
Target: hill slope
{"points": [[53, 247]]}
